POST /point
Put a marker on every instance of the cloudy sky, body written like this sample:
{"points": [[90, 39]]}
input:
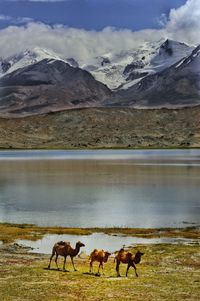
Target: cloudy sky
{"points": [[83, 27], [88, 14]]}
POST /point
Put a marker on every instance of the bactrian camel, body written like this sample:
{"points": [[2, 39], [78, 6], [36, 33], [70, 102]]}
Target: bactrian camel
{"points": [[64, 249], [128, 258], [100, 256]]}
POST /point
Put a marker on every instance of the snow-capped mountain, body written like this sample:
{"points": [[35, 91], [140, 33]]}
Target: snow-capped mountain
{"points": [[124, 69], [29, 57], [177, 85], [163, 74], [116, 70]]}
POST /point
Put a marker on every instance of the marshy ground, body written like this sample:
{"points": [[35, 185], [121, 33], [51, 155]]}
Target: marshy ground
{"points": [[166, 272]]}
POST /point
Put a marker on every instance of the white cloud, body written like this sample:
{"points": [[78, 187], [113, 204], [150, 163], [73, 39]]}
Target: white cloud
{"points": [[5, 18], [162, 20], [15, 20], [70, 42], [184, 22]]}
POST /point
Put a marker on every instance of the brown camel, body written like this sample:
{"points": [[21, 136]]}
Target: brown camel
{"points": [[64, 249], [99, 256], [127, 257]]}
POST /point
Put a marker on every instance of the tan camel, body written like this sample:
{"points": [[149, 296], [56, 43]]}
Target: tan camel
{"points": [[127, 257], [100, 256], [64, 249]]}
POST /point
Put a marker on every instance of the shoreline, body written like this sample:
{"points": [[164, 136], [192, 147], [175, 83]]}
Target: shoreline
{"points": [[99, 148], [10, 232]]}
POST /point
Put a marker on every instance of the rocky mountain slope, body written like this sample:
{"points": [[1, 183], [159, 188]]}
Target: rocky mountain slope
{"points": [[104, 127], [49, 85]]}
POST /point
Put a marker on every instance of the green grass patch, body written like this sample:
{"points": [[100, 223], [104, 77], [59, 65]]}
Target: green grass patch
{"points": [[166, 272]]}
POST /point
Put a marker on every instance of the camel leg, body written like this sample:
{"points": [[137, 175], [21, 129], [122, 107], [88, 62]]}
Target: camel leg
{"points": [[49, 266], [91, 266], [128, 266], [117, 268], [65, 257], [99, 268], [102, 268], [135, 269], [72, 260], [56, 261]]}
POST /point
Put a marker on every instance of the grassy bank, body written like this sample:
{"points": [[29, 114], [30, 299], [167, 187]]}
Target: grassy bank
{"points": [[11, 232], [166, 272]]}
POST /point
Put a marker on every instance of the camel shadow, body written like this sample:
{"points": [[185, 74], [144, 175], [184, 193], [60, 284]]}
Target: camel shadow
{"points": [[92, 274], [57, 270]]}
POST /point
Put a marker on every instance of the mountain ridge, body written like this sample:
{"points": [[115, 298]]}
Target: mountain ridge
{"points": [[39, 81], [49, 85]]}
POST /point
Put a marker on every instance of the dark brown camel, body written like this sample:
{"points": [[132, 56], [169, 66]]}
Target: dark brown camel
{"points": [[100, 256], [64, 249], [127, 257]]}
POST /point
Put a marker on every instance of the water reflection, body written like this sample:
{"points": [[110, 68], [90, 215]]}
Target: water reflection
{"points": [[139, 189], [96, 240]]}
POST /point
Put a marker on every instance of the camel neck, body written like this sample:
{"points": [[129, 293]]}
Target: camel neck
{"points": [[137, 259], [77, 249]]}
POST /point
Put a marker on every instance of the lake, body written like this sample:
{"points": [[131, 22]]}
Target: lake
{"points": [[101, 188]]}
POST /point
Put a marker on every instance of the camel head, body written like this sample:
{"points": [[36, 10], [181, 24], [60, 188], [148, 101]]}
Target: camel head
{"points": [[138, 256], [80, 244], [107, 254]]}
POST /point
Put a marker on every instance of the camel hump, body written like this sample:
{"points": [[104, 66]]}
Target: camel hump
{"points": [[101, 253], [62, 243], [95, 251], [129, 255], [121, 250]]}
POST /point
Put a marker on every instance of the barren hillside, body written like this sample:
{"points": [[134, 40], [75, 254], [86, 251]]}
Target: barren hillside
{"points": [[104, 127]]}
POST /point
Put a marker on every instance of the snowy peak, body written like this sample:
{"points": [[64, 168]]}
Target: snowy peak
{"points": [[169, 53], [124, 69], [176, 85], [26, 58], [170, 47]]}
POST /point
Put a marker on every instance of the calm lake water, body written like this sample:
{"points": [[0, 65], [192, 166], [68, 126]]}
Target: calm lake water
{"points": [[143, 188]]}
